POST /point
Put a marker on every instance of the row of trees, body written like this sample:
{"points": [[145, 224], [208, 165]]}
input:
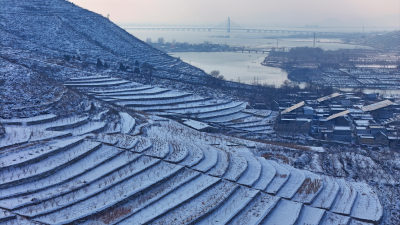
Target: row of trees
{"points": [[71, 57], [317, 56], [137, 68], [184, 46], [2, 131]]}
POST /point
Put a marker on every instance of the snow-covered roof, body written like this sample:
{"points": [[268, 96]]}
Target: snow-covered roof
{"points": [[366, 136], [361, 122], [196, 124], [331, 96], [393, 138], [342, 128], [376, 127], [334, 116], [303, 119], [294, 107], [377, 106]]}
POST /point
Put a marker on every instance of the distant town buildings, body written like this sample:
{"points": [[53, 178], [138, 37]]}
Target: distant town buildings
{"points": [[342, 118]]}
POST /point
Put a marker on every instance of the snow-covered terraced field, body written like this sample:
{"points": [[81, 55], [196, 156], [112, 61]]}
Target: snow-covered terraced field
{"points": [[127, 99], [162, 178], [229, 118], [162, 101], [119, 90], [29, 121], [105, 83], [93, 160], [181, 103], [143, 91], [147, 105]]}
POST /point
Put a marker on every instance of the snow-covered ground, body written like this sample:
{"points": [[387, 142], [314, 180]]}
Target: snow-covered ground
{"points": [[79, 178], [162, 101], [78, 151]]}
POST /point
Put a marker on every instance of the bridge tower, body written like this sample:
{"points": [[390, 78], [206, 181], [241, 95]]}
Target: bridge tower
{"points": [[314, 40], [228, 29]]}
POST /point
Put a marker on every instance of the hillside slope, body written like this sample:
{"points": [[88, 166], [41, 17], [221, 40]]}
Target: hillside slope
{"points": [[104, 166], [57, 26], [74, 149]]}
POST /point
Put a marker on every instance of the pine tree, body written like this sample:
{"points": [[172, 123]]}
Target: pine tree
{"points": [[99, 64]]}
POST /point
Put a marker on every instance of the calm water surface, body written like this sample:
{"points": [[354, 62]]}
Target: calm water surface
{"points": [[243, 67]]}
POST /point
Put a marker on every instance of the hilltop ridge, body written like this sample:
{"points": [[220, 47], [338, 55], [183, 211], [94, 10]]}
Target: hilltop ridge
{"points": [[59, 27]]}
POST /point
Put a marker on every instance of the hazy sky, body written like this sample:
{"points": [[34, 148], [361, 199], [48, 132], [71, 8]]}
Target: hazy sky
{"points": [[255, 12]]}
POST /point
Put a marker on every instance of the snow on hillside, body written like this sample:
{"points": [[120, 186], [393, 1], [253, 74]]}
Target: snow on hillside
{"points": [[162, 101], [168, 173], [77, 31], [83, 144]]}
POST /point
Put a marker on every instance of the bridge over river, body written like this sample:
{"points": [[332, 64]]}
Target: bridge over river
{"points": [[211, 29], [229, 27]]}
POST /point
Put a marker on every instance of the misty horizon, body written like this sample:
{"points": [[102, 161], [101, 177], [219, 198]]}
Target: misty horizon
{"points": [[254, 13]]}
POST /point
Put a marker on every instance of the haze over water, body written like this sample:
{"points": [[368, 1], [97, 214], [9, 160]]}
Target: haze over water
{"points": [[243, 67]]}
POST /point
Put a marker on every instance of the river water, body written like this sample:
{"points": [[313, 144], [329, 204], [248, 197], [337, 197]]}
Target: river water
{"points": [[243, 67]]}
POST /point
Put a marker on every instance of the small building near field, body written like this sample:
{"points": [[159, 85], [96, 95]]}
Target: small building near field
{"points": [[293, 125], [366, 140], [342, 134], [394, 142], [200, 126]]}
